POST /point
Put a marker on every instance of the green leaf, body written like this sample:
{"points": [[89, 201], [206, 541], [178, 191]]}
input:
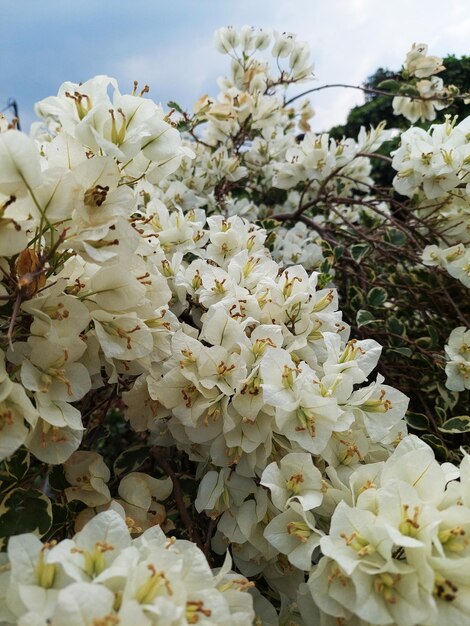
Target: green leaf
{"points": [[17, 465], [436, 444], [395, 326], [25, 511], [403, 351], [338, 252], [274, 196], [131, 459], [270, 239], [267, 224], [456, 425], [395, 236], [389, 85], [434, 336], [174, 105], [424, 342], [364, 317], [418, 421], [59, 519], [57, 478], [377, 296], [447, 398], [359, 251], [408, 90], [441, 413], [324, 280], [355, 298]]}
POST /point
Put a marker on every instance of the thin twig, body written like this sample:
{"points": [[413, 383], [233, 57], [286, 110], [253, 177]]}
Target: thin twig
{"points": [[159, 453], [378, 92]]}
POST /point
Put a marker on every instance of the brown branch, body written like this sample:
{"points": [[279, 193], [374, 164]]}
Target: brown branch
{"points": [[375, 155], [207, 542], [14, 315], [159, 454], [195, 303], [378, 92], [199, 140], [450, 300], [294, 215]]}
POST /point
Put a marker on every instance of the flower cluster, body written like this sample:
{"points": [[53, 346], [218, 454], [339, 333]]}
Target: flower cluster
{"points": [[455, 260], [103, 577], [319, 159], [433, 166], [431, 93], [397, 549], [241, 44], [297, 245], [435, 161], [248, 132]]}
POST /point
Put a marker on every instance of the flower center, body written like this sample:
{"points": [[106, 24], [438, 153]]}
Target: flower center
{"points": [[151, 588]]}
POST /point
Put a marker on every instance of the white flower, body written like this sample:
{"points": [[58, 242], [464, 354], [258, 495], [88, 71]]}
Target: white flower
{"points": [[283, 44], [226, 39], [279, 374], [458, 356], [124, 337], [19, 160], [141, 496], [52, 370], [380, 407], [95, 548], [87, 474], [34, 576], [294, 534], [296, 479], [313, 421], [15, 409], [53, 444], [421, 65]]}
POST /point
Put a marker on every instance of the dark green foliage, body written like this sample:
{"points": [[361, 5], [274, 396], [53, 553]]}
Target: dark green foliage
{"points": [[25, 511], [378, 108]]}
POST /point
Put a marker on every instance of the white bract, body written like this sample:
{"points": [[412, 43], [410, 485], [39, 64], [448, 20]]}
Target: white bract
{"points": [[458, 359]]}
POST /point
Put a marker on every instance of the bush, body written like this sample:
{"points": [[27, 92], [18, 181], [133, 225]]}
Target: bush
{"points": [[179, 383]]}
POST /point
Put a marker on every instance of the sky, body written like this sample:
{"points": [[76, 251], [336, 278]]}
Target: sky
{"points": [[168, 44]]}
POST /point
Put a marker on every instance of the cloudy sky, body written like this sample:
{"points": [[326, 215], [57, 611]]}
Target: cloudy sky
{"points": [[168, 43]]}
